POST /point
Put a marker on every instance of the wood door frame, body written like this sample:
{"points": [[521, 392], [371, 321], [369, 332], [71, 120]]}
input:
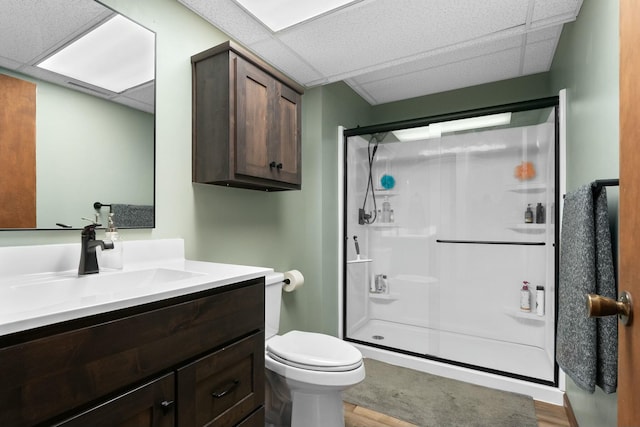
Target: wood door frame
{"points": [[629, 222]]}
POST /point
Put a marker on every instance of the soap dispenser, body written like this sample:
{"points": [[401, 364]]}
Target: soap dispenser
{"points": [[112, 258], [525, 297]]}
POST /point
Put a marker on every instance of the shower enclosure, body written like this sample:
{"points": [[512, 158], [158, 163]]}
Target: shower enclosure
{"points": [[445, 219]]}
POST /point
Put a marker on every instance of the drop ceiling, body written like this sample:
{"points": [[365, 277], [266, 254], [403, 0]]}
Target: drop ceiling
{"points": [[31, 30], [390, 50]]}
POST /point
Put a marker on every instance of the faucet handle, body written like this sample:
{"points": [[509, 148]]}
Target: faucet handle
{"points": [[90, 229]]}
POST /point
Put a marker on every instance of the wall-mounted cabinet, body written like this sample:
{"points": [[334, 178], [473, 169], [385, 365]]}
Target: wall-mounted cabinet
{"points": [[246, 122]]}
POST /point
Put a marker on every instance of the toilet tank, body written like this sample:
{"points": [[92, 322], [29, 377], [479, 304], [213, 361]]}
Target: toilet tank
{"points": [[272, 303]]}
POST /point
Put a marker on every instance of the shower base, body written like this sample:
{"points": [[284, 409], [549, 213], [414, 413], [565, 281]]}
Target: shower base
{"points": [[501, 356]]}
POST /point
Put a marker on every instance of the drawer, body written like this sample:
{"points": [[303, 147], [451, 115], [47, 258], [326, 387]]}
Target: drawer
{"points": [[149, 405], [82, 365], [255, 420], [223, 388]]}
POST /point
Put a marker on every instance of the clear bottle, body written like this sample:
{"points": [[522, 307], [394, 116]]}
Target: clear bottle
{"points": [[386, 210], [112, 258]]}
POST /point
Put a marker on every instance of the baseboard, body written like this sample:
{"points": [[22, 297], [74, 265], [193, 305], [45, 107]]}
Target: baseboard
{"points": [[573, 422]]}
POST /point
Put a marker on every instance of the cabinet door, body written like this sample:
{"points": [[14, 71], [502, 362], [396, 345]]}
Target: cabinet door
{"points": [[223, 388], [286, 143], [151, 405], [254, 124]]}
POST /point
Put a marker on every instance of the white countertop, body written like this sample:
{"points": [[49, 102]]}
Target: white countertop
{"points": [[39, 286]]}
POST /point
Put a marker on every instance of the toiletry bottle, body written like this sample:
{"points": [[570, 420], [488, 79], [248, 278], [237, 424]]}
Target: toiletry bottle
{"points": [[525, 298], [540, 300], [386, 210], [539, 214], [112, 258], [528, 215]]}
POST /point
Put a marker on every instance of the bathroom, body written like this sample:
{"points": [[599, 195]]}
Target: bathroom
{"points": [[238, 226]]}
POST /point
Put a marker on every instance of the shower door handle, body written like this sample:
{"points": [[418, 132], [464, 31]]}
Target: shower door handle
{"points": [[599, 306]]}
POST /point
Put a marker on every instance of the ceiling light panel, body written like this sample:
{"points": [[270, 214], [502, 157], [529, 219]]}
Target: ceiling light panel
{"points": [[281, 14], [116, 56]]}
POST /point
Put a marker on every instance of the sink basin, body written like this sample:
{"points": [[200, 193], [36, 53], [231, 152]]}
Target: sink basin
{"points": [[60, 290]]}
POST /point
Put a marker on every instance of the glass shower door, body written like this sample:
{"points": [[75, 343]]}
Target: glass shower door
{"points": [[444, 245]]}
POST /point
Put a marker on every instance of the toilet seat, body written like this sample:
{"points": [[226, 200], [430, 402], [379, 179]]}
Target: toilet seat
{"points": [[315, 352]]}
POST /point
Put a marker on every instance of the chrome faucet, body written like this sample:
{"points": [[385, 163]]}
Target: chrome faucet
{"points": [[88, 258]]}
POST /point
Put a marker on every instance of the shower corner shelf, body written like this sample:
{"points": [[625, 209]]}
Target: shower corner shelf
{"points": [[518, 314], [528, 188], [385, 192], [359, 260], [383, 297], [528, 228], [384, 225]]}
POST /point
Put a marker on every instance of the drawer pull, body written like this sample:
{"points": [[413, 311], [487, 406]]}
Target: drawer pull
{"points": [[226, 391], [166, 405]]}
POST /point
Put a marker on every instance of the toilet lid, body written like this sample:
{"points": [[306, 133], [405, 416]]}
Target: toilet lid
{"points": [[317, 352]]}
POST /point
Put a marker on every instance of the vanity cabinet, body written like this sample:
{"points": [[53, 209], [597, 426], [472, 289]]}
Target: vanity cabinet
{"points": [[246, 121], [192, 360]]}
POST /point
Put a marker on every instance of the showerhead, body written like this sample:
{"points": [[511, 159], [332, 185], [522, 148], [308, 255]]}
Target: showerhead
{"points": [[379, 137]]}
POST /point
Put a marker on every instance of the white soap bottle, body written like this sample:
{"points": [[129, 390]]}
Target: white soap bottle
{"points": [[112, 258], [540, 300], [525, 297]]}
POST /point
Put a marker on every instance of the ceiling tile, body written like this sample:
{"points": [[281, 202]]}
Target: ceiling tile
{"points": [[30, 46], [549, 9], [377, 32], [465, 73], [287, 60], [538, 56], [227, 16], [444, 57]]}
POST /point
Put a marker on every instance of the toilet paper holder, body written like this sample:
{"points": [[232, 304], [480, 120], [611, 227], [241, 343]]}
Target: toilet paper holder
{"points": [[292, 279]]}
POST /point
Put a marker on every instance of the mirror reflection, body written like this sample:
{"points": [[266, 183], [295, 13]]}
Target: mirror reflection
{"points": [[69, 142]]}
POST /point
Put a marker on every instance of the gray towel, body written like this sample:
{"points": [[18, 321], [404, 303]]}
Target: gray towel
{"points": [[133, 216], [587, 348]]}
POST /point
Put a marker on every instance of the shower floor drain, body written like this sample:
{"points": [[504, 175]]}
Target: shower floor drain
{"points": [[377, 337]]}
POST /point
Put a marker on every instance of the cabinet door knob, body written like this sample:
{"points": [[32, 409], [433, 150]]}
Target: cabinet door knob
{"points": [[272, 165], [279, 166], [166, 405], [227, 390]]}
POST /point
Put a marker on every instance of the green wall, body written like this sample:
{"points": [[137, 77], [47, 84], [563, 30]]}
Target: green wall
{"points": [[587, 64], [298, 229]]}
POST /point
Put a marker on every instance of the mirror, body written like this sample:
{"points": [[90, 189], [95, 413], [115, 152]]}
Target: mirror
{"points": [[91, 144]]}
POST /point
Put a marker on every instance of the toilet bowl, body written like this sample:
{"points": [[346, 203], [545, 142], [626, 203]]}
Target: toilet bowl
{"points": [[306, 372]]}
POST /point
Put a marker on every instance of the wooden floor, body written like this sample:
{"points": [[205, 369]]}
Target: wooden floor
{"points": [[356, 416]]}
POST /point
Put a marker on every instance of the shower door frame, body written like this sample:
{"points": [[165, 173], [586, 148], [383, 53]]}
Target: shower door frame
{"points": [[547, 102]]}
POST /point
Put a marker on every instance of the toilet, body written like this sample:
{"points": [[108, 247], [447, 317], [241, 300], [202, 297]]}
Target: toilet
{"points": [[305, 372]]}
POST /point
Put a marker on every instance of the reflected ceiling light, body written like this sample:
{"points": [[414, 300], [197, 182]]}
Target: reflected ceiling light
{"points": [[435, 130], [281, 14], [116, 56]]}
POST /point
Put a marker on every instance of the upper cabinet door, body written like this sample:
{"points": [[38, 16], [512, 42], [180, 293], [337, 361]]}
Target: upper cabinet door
{"points": [[286, 147], [247, 122], [254, 122]]}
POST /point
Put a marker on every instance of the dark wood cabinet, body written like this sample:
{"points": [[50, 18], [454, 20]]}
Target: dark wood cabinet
{"points": [[246, 121], [150, 365]]}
